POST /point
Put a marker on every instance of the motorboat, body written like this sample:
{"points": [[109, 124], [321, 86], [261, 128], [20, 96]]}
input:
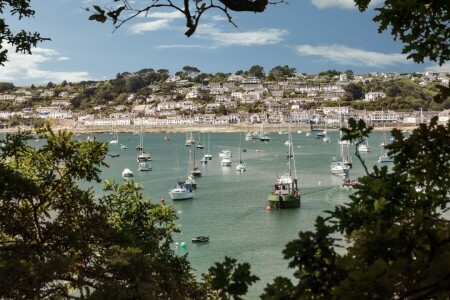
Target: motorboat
{"points": [[200, 239], [123, 146], [225, 162], [144, 166], [144, 157], [241, 166], [127, 173], [225, 154]]}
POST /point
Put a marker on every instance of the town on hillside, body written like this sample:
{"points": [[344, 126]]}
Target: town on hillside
{"points": [[156, 99]]}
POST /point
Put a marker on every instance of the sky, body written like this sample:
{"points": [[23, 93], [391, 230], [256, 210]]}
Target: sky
{"points": [[309, 35]]}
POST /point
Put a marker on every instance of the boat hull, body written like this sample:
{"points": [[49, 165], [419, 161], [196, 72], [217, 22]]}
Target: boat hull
{"points": [[282, 202], [181, 194]]}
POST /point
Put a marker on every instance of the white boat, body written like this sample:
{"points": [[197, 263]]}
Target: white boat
{"points": [[144, 166], [339, 168], [208, 156], [225, 162], [142, 156], [181, 190], [225, 154], [384, 157], [364, 147], [241, 167], [123, 146], [342, 164], [115, 138], [251, 136], [127, 173], [189, 140]]}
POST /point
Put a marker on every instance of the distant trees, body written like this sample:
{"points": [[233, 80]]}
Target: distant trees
{"points": [[256, 71], [279, 73], [354, 91], [6, 87]]}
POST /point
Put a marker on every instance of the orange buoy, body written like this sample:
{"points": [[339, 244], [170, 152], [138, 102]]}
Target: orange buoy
{"points": [[269, 207]]}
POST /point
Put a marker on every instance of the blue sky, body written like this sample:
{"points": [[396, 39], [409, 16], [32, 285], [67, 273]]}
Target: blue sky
{"points": [[309, 35]]}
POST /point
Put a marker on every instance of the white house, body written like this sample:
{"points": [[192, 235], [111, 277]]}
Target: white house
{"points": [[372, 96]]}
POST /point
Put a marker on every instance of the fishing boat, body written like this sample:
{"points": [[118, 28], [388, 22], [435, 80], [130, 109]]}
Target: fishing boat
{"points": [[144, 166], [181, 189], [200, 239], [286, 193], [127, 173]]}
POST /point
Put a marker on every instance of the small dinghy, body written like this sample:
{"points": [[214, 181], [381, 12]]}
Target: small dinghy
{"points": [[200, 239]]}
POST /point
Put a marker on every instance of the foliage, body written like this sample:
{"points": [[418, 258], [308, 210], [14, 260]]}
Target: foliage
{"points": [[6, 87], [396, 228], [19, 40], [230, 279], [281, 73], [354, 91], [256, 71], [192, 10], [58, 241]]}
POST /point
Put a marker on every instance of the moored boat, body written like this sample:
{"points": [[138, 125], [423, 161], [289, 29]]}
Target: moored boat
{"points": [[127, 173], [286, 193], [200, 239]]}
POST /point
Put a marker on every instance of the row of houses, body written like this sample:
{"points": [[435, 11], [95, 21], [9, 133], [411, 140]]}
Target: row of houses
{"points": [[327, 116]]}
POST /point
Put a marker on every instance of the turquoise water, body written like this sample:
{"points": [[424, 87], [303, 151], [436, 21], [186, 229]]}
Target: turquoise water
{"points": [[229, 206]]}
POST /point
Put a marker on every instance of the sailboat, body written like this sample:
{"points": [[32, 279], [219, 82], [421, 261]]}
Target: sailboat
{"points": [[115, 138], [241, 166], [142, 156], [195, 171], [286, 193], [364, 146], [181, 190], [200, 145], [384, 157], [189, 140], [208, 156], [342, 164]]}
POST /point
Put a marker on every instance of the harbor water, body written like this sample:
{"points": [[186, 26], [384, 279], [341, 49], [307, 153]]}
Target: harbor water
{"points": [[230, 206]]}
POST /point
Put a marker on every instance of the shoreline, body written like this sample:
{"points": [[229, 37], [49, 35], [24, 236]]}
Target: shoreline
{"points": [[74, 127]]}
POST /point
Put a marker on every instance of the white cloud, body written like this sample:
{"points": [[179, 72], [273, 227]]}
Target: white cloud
{"points": [[321, 4], [28, 68], [346, 4], [63, 58], [439, 69], [166, 15], [149, 26], [247, 38], [352, 57]]}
